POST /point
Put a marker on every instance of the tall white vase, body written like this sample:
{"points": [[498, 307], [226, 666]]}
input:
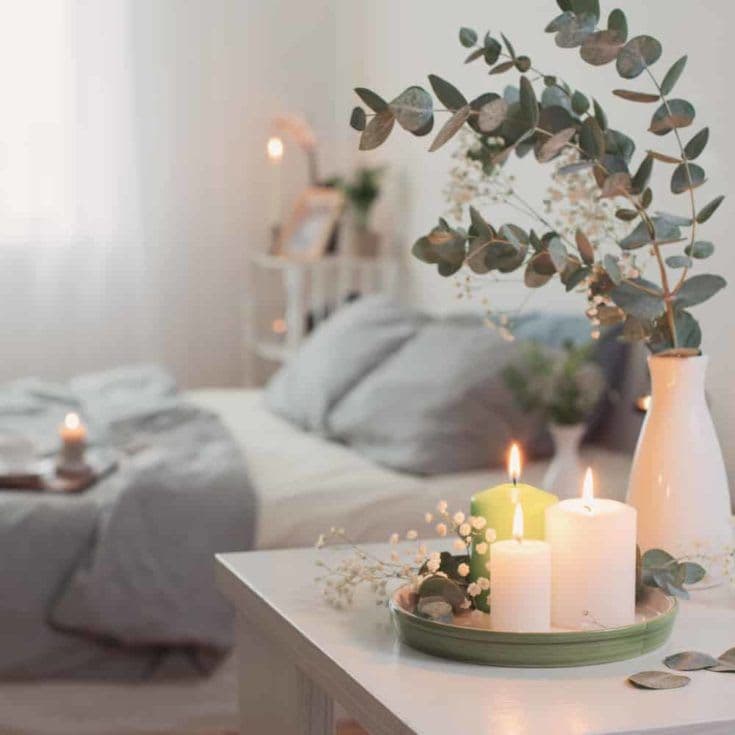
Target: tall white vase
{"points": [[565, 473], [678, 481]]}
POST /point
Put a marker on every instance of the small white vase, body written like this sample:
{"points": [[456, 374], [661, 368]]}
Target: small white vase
{"points": [[678, 482], [565, 474]]}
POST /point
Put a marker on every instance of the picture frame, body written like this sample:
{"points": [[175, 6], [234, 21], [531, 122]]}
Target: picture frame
{"points": [[309, 229]]}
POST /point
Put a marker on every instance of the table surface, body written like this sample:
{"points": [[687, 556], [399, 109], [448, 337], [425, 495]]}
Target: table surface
{"points": [[356, 651]]}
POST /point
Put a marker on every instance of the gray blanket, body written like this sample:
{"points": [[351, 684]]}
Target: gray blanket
{"points": [[118, 581]]}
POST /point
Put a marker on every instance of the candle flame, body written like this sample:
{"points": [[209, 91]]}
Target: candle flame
{"points": [[275, 149], [518, 523], [588, 488], [71, 421], [514, 463]]}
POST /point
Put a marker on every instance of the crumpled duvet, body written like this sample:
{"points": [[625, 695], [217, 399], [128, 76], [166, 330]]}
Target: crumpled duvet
{"points": [[118, 581]]}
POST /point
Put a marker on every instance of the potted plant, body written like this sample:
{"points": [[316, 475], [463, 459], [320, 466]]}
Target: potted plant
{"points": [[678, 481], [562, 386], [362, 191]]}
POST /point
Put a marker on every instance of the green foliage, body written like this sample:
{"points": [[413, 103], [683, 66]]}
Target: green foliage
{"points": [[362, 190], [561, 385], [549, 121], [661, 569]]}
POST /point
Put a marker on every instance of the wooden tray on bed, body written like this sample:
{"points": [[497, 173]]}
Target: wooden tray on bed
{"points": [[42, 476]]}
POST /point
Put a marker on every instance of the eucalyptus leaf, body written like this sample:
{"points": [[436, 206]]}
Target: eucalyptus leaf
{"points": [[358, 119], [709, 209], [435, 608], [600, 115], [689, 335], [560, 22], [377, 130], [602, 47], [574, 29], [540, 270], [467, 37], [693, 572], [500, 68], [374, 101], [628, 94], [447, 93], [556, 97], [523, 64], [576, 167], [492, 115], [641, 235], [627, 215], [672, 75], [413, 108], [591, 138], [636, 55], [591, 7], [616, 22], [674, 219], [436, 586], [555, 144], [698, 289], [558, 254], [646, 197], [728, 656], [529, 104], [679, 261], [658, 680], [690, 661], [664, 157], [681, 181], [700, 249], [585, 247], [642, 175], [657, 558], [491, 49], [450, 127], [575, 277], [610, 264], [636, 302], [671, 115], [619, 144], [697, 144], [580, 104], [476, 54], [724, 668]]}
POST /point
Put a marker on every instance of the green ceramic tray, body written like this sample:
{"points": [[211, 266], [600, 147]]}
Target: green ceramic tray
{"points": [[470, 639]]}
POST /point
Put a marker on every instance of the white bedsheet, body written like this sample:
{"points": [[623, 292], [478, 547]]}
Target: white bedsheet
{"points": [[305, 484]]}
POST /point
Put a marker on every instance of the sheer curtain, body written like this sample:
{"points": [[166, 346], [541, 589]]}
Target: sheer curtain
{"points": [[101, 262]]}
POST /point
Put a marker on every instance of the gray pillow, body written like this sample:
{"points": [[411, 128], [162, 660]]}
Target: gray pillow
{"points": [[437, 405], [337, 356]]}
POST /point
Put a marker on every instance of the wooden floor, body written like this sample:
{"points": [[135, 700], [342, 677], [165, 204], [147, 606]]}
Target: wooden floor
{"points": [[350, 728]]}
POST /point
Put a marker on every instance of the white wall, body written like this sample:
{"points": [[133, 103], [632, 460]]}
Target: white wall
{"points": [[401, 42]]}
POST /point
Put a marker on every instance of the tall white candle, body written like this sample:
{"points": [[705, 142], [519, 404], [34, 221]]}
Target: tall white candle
{"points": [[275, 156], [520, 582], [593, 561]]}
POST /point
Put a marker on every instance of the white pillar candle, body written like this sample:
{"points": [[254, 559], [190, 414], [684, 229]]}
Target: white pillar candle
{"points": [[520, 582], [73, 436], [593, 561]]}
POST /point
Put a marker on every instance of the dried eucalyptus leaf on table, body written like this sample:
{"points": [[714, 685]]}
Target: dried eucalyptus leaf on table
{"points": [[658, 680], [690, 661]]}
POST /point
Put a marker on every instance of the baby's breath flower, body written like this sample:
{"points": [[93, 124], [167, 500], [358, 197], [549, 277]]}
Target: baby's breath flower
{"points": [[458, 517], [463, 569], [478, 522], [490, 535], [428, 517], [441, 506], [481, 548], [433, 562], [484, 583], [473, 589], [412, 535], [394, 538], [441, 529], [465, 529]]}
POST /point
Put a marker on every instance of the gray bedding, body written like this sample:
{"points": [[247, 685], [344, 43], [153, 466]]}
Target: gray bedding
{"points": [[118, 581]]}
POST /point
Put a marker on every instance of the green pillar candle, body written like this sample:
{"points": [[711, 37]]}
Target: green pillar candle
{"points": [[497, 506]]}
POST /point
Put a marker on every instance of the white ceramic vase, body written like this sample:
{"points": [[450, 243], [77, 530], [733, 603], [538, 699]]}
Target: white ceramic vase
{"points": [[565, 474], [678, 482]]}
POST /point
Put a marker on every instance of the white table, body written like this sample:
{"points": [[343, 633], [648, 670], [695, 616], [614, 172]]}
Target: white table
{"points": [[296, 656]]}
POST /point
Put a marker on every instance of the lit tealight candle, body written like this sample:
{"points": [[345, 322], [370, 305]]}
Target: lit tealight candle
{"points": [[593, 561], [520, 582], [497, 505], [73, 435]]}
